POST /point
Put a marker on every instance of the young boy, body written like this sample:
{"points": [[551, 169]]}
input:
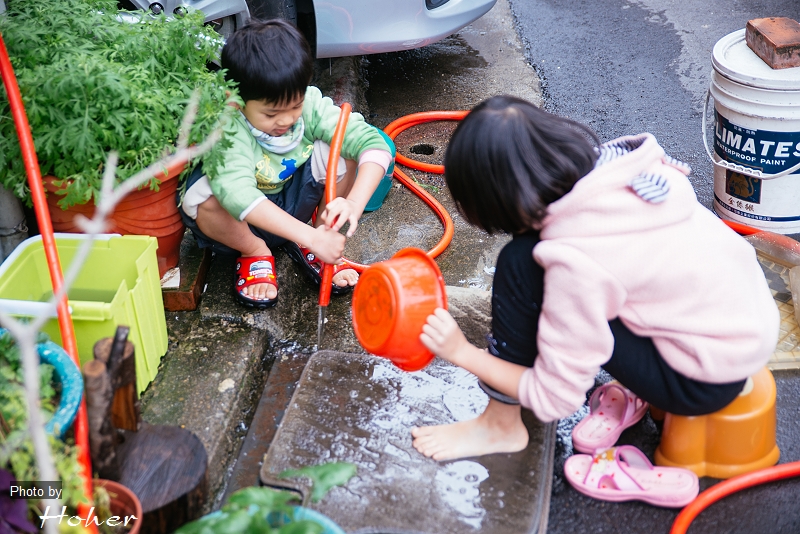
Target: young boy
{"points": [[273, 176]]}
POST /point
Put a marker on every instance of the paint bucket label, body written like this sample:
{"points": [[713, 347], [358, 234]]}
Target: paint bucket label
{"points": [[769, 152], [765, 204], [743, 195]]}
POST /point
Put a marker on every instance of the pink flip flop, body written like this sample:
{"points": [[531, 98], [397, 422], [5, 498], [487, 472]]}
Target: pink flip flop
{"points": [[613, 408], [624, 474]]}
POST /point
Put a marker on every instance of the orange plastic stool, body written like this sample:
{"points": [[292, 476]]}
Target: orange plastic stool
{"points": [[737, 439]]}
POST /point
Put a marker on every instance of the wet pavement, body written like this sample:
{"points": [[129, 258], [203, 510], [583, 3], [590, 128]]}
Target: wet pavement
{"points": [[359, 409]]}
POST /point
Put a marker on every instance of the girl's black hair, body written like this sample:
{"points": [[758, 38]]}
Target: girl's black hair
{"points": [[508, 160], [270, 60]]}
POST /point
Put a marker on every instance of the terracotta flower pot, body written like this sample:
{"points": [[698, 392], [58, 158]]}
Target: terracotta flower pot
{"points": [[143, 212], [124, 503]]}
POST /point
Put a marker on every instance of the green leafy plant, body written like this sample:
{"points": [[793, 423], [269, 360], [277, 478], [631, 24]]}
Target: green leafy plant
{"points": [[93, 81], [270, 511]]}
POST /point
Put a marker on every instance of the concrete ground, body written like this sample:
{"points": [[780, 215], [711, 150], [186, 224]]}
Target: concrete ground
{"points": [[225, 361], [230, 372]]}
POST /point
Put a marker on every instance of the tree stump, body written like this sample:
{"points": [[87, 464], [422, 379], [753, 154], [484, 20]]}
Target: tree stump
{"points": [[165, 466]]}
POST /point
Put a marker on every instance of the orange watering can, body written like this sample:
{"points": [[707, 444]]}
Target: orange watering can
{"points": [[391, 303]]}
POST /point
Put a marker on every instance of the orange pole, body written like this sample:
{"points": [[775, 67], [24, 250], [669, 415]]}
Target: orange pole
{"points": [[51, 253], [330, 194]]}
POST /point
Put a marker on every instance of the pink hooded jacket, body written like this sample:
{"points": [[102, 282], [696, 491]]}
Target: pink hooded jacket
{"points": [[669, 269]]}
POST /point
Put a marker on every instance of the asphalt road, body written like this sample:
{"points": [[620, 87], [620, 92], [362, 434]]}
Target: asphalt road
{"points": [[625, 67]]}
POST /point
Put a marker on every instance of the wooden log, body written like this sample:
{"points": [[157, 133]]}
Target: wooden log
{"points": [[102, 435], [165, 466], [120, 357]]}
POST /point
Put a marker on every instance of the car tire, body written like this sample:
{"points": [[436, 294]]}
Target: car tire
{"points": [[271, 9]]}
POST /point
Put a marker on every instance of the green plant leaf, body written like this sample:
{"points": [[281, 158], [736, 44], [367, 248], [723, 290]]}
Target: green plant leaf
{"points": [[16, 448], [323, 477], [265, 498], [236, 522]]}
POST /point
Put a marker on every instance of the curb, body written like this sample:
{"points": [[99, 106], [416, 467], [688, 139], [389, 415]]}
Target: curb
{"points": [[342, 79]]}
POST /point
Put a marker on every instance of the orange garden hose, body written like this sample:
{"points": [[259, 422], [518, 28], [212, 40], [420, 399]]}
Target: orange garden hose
{"points": [[732, 485], [51, 253], [393, 130]]}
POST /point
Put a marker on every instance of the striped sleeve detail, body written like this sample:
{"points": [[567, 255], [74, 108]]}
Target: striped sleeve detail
{"points": [[608, 153], [678, 164], [619, 147], [651, 187]]}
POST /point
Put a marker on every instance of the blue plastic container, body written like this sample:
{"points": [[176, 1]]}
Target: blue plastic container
{"points": [[376, 201], [71, 379]]}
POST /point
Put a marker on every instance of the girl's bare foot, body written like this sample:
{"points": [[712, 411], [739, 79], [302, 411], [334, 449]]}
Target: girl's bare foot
{"points": [[498, 429]]}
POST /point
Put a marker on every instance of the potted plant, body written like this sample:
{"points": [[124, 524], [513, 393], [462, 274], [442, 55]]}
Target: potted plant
{"points": [[274, 511], [94, 79], [16, 448], [17, 461]]}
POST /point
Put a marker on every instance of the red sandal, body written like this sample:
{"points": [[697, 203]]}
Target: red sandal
{"points": [[255, 270], [311, 266]]}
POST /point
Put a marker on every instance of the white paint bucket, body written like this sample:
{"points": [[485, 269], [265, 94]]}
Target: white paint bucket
{"points": [[756, 138]]}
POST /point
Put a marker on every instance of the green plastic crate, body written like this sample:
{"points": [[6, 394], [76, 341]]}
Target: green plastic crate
{"points": [[118, 285]]}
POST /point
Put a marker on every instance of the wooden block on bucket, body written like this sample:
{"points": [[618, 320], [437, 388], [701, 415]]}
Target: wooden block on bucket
{"points": [[776, 40]]}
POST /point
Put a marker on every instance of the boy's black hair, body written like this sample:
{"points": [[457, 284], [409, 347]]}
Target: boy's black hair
{"points": [[270, 60], [508, 160]]}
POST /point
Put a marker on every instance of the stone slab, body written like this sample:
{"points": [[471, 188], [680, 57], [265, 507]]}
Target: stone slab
{"points": [[360, 409], [470, 307]]}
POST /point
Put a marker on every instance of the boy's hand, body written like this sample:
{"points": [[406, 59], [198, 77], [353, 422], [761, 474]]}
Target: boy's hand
{"points": [[339, 212], [327, 244], [442, 336]]}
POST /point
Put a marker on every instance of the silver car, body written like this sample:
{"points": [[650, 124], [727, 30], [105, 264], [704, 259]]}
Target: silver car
{"points": [[338, 28]]}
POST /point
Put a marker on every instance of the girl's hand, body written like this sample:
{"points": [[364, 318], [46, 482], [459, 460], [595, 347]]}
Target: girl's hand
{"points": [[340, 211], [327, 244], [442, 336]]}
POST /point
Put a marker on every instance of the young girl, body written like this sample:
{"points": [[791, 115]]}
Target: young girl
{"points": [[613, 264]]}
